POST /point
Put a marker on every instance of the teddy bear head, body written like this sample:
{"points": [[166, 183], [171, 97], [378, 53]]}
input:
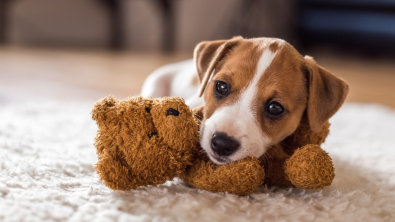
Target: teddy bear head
{"points": [[143, 141]]}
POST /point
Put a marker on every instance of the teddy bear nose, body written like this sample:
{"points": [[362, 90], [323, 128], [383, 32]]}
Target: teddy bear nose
{"points": [[152, 134], [172, 112], [224, 145]]}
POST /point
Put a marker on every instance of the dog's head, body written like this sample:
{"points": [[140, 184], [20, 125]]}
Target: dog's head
{"points": [[256, 92]]}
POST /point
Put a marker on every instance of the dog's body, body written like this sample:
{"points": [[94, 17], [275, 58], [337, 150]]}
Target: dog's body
{"points": [[177, 79], [256, 92]]}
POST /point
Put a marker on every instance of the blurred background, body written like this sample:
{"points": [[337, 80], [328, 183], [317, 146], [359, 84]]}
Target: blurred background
{"points": [[75, 50]]}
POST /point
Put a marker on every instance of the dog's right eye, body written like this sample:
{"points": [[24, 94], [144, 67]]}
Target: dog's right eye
{"points": [[221, 88]]}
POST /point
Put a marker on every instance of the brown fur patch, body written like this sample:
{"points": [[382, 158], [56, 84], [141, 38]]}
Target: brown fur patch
{"points": [[195, 81], [274, 47], [283, 82], [326, 94]]}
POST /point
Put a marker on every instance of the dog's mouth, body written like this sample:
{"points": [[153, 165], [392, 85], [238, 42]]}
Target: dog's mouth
{"points": [[220, 160]]}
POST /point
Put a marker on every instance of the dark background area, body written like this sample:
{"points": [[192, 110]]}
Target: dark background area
{"points": [[363, 26]]}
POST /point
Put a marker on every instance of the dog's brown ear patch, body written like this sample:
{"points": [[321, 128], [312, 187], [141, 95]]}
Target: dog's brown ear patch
{"points": [[207, 54], [326, 94], [274, 47]]}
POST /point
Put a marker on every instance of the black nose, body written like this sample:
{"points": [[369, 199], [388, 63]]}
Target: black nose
{"points": [[224, 145]]}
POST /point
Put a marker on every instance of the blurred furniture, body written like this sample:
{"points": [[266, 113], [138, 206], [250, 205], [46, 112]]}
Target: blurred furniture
{"points": [[3, 5], [366, 25], [114, 8], [116, 23], [166, 12]]}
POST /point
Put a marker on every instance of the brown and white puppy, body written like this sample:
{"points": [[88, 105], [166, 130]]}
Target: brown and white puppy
{"points": [[255, 93]]}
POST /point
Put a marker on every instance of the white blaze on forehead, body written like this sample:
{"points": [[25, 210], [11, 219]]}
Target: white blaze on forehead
{"points": [[240, 119], [248, 95]]}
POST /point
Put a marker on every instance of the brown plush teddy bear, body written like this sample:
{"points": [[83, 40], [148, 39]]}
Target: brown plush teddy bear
{"points": [[146, 141]]}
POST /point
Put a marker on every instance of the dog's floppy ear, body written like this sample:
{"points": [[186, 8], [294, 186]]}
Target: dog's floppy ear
{"points": [[326, 94], [206, 56]]}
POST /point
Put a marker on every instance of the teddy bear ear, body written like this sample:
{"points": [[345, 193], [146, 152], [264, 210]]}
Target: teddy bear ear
{"points": [[101, 107]]}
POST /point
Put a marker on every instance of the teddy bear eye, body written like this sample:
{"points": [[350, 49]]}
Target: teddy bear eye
{"points": [[172, 112], [147, 110]]}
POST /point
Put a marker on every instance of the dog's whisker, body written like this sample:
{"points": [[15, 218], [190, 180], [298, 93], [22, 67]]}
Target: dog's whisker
{"points": [[268, 158]]}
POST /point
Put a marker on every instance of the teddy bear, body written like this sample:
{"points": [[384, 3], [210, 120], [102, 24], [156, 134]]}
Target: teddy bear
{"points": [[148, 141]]}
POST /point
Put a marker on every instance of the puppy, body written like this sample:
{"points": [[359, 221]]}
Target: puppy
{"points": [[254, 92]]}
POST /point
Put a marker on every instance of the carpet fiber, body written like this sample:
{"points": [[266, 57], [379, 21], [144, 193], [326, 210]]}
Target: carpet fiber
{"points": [[47, 174]]}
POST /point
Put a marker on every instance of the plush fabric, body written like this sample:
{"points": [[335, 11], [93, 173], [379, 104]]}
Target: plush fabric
{"points": [[47, 172], [310, 168], [146, 141], [140, 143]]}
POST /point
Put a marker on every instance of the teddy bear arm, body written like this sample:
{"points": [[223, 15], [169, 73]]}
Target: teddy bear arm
{"points": [[155, 162], [114, 173], [241, 178], [310, 167]]}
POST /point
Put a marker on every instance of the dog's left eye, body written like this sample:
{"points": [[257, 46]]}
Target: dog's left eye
{"points": [[221, 88], [275, 109]]}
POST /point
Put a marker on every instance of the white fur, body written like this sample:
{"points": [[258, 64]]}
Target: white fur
{"points": [[174, 80], [240, 120]]}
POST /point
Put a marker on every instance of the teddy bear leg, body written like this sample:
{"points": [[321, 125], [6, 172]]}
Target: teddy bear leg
{"points": [[242, 177], [113, 173], [310, 167]]}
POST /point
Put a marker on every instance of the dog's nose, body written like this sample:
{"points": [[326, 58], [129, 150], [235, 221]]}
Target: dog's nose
{"points": [[224, 145]]}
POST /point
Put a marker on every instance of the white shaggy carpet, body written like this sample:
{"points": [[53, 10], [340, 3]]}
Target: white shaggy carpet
{"points": [[46, 174]]}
